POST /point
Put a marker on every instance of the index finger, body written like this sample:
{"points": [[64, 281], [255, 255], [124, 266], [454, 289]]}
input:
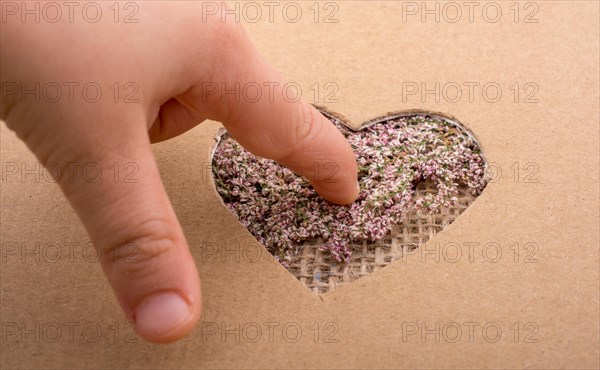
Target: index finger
{"points": [[248, 95]]}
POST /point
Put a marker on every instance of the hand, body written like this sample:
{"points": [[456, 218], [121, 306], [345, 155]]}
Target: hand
{"points": [[170, 55]]}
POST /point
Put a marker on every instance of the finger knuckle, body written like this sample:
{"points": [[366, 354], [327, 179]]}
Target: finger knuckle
{"points": [[141, 252], [306, 130]]}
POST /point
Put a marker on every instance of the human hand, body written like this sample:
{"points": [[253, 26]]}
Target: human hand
{"points": [[170, 55]]}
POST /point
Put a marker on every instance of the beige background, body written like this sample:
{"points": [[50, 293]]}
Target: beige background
{"points": [[369, 54]]}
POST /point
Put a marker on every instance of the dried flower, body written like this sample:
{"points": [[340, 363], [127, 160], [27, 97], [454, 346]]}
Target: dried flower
{"points": [[280, 208]]}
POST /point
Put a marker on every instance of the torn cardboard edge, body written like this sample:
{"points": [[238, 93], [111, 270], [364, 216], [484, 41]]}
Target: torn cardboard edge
{"points": [[325, 274]]}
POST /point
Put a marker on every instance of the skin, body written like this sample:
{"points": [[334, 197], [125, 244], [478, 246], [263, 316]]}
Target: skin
{"points": [[169, 54]]}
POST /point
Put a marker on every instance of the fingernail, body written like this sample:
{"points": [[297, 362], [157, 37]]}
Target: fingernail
{"points": [[161, 313]]}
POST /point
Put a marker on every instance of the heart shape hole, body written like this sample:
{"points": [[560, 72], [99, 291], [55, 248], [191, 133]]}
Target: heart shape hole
{"points": [[418, 172]]}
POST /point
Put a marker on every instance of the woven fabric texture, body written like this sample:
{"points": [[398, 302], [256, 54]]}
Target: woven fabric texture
{"points": [[321, 273]]}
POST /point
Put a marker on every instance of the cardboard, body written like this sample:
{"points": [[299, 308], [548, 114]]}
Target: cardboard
{"points": [[524, 293]]}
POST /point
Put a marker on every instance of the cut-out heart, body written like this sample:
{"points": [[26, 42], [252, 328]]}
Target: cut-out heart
{"points": [[418, 172]]}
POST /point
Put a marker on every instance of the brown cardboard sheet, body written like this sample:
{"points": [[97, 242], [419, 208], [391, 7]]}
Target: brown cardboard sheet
{"points": [[524, 291]]}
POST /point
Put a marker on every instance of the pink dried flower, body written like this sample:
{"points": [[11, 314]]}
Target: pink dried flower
{"points": [[280, 208]]}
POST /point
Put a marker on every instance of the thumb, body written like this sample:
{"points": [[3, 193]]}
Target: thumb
{"points": [[142, 249]]}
